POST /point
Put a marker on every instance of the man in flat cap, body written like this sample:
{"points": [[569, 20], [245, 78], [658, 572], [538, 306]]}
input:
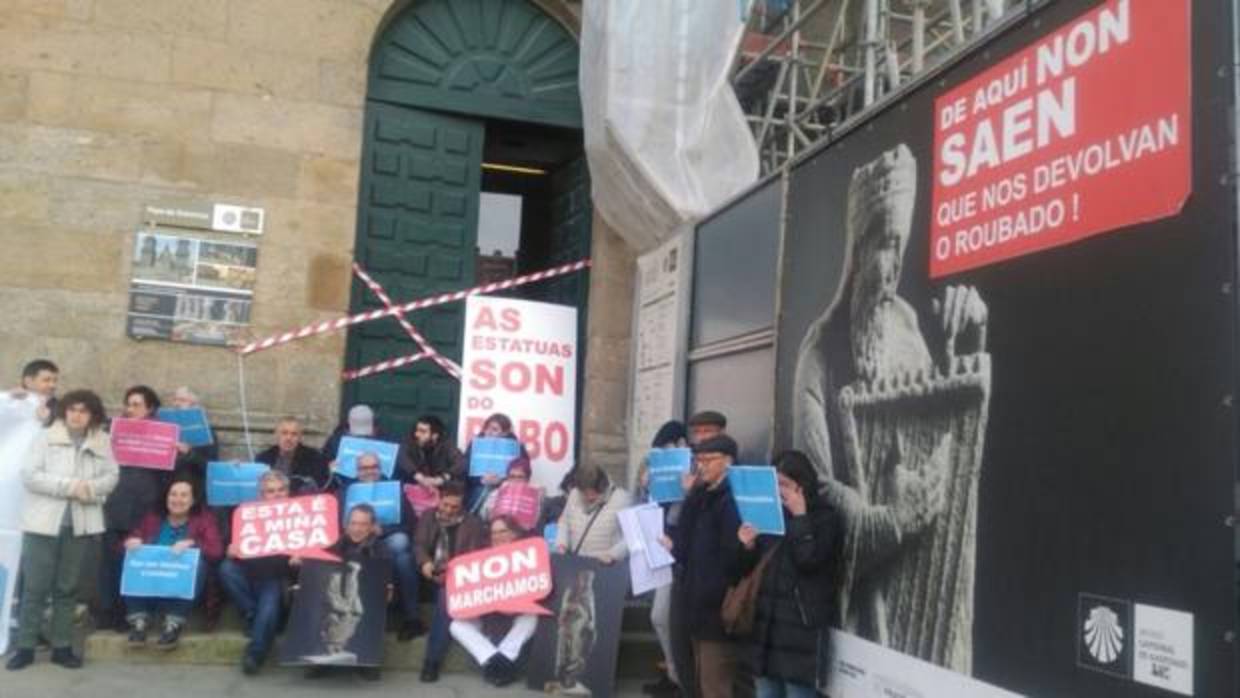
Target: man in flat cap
{"points": [[707, 545]]}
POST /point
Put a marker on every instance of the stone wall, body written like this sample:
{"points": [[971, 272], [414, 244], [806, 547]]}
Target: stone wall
{"points": [[109, 104]]}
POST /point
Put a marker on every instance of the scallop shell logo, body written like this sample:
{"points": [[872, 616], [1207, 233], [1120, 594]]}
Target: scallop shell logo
{"points": [[1103, 635]]}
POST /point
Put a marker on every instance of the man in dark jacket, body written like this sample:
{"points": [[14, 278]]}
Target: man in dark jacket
{"points": [[394, 538], [256, 586], [305, 467], [431, 459], [707, 548], [450, 532]]}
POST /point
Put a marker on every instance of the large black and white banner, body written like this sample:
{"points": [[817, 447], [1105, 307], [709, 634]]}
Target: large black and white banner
{"points": [[1016, 376]]}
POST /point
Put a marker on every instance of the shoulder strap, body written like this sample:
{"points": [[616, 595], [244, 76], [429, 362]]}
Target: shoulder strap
{"points": [[581, 541]]}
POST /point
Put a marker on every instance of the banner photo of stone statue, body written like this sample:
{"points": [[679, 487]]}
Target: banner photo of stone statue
{"points": [[338, 614], [997, 428], [574, 651]]}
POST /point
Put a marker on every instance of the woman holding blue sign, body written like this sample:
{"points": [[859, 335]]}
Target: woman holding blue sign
{"points": [[137, 492], [68, 475], [794, 603], [192, 459], [181, 523], [497, 426]]}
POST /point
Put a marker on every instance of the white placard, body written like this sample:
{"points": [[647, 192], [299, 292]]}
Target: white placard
{"points": [[520, 359], [10, 556], [863, 669], [642, 576], [1163, 654]]}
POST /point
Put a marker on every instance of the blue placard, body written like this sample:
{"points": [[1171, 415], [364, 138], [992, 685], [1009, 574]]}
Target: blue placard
{"points": [[491, 456], [353, 446], [230, 484], [666, 466], [549, 533], [156, 571], [755, 489], [383, 496], [195, 430]]}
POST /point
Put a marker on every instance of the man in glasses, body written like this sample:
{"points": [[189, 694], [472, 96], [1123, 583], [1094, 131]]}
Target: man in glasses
{"points": [[256, 586], [495, 640]]}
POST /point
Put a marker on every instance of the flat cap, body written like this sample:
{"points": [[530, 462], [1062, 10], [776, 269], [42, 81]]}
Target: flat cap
{"points": [[718, 444], [710, 417]]}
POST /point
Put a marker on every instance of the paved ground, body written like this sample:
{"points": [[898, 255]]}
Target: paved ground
{"points": [[118, 680]]}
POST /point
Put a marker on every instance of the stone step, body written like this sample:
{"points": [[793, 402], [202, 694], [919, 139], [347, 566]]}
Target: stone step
{"points": [[638, 652]]}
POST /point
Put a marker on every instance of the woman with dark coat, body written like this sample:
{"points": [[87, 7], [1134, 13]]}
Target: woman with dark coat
{"points": [[795, 603], [137, 491]]}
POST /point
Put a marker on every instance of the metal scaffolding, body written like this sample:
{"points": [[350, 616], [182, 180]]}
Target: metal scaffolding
{"points": [[807, 66]]}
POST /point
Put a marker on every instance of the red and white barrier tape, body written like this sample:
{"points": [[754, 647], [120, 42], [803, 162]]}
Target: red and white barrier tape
{"points": [[341, 323], [444, 362], [389, 365]]}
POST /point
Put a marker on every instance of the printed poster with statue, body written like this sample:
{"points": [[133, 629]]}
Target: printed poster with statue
{"points": [[1003, 345]]}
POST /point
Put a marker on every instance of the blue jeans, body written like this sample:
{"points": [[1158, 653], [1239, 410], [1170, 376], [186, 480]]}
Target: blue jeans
{"points": [[175, 611], [768, 687], [406, 569], [439, 640], [259, 602]]}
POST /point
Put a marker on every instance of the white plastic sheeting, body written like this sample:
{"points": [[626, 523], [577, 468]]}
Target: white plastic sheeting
{"points": [[665, 137]]}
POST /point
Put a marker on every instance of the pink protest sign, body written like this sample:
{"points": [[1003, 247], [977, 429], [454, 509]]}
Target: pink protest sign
{"points": [[521, 502], [504, 579], [421, 498], [145, 443], [302, 527]]}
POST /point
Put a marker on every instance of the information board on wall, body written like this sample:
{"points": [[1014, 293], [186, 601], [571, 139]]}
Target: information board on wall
{"points": [[193, 283], [658, 327]]}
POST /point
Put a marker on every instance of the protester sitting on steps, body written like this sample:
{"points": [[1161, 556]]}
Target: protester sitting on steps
{"points": [[256, 586], [137, 492], [359, 540], [428, 457], [451, 531], [67, 475], [495, 640], [518, 473], [305, 467], [396, 540], [192, 461], [360, 423], [182, 523], [497, 426]]}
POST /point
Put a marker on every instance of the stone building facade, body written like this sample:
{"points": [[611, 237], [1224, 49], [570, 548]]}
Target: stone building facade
{"points": [[108, 105]]}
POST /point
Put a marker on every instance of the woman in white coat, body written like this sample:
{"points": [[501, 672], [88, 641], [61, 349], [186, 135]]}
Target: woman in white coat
{"points": [[68, 475]]}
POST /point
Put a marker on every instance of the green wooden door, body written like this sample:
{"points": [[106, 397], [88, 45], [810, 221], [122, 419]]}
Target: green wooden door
{"points": [[416, 232]]}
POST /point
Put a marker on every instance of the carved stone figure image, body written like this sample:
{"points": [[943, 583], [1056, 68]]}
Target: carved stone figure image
{"points": [[575, 639], [342, 612], [894, 418]]}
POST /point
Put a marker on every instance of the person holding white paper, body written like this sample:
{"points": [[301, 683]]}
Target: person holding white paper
{"points": [[68, 475], [181, 523], [795, 602]]}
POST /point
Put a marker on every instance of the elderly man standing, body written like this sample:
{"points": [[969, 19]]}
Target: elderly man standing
{"points": [[396, 541], [305, 467], [256, 586], [707, 546]]}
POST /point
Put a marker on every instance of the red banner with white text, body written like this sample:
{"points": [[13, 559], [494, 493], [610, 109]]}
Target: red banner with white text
{"points": [[1086, 131]]}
